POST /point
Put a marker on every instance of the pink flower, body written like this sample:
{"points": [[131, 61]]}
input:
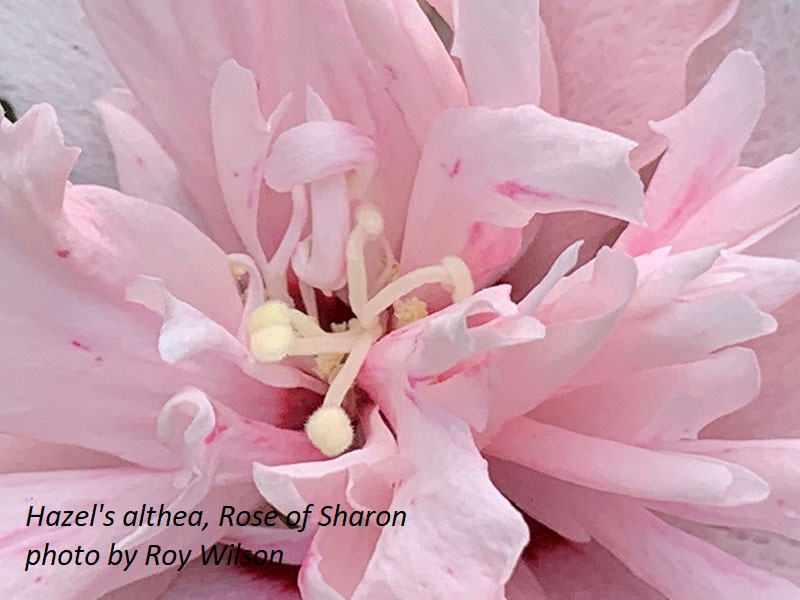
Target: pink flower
{"points": [[363, 195]]}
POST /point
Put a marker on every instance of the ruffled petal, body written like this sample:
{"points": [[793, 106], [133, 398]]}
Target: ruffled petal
{"points": [[241, 138], [768, 29], [487, 172], [754, 201], [666, 324], [663, 404], [577, 324], [411, 62], [621, 82], [701, 158], [449, 480]]}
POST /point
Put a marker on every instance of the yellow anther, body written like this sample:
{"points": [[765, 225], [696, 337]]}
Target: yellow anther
{"points": [[272, 312], [271, 343], [410, 310], [327, 366], [330, 430]]}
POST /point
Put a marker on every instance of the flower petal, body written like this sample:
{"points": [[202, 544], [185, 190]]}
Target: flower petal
{"points": [[498, 46], [623, 469], [662, 404], [449, 481], [662, 555], [777, 461], [413, 63], [241, 139], [700, 159], [315, 150], [143, 168], [487, 172], [755, 201], [776, 411], [620, 82], [768, 29]]}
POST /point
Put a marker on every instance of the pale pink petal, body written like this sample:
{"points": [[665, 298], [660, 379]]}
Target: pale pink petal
{"points": [[327, 571], [556, 232], [662, 404], [665, 326], [498, 46], [117, 238], [449, 336], [447, 358], [143, 168], [534, 494], [487, 172], [169, 57], [450, 479], [780, 239], [620, 82], [315, 150], [768, 281], [769, 29], [411, 62], [319, 260], [576, 325], [241, 138], [623, 469], [777, 461], [187, 332], [753, 202], [63, 308], [700, 160], [774, 414], [662, 555]]}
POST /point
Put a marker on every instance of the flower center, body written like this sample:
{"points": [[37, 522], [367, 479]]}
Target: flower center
{"points": [[278, 330]]}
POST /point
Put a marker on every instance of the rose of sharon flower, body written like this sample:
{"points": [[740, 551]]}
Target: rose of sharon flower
{"points": [[327, 176]]}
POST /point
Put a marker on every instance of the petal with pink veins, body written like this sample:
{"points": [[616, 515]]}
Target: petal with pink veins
{"points": [[700, 160], [753, 202], [768, 29], [410, 60], [487, 172], [241, 138]]}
